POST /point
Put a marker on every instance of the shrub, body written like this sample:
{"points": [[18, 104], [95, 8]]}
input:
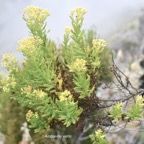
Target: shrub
{"points": [[58, 86]]}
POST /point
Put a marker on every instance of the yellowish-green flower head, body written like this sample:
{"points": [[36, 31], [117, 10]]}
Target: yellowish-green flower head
{"points": [[28, 45], [8, 82], [35, 14], [65, 96], [9, 62], [139, 100], [68, 31], [31, 115], [99, 44], [27, 90], [99, 133], [39, 93], [119, 104], [116, 111], [79, 65], [80, 12], [99, 137]]}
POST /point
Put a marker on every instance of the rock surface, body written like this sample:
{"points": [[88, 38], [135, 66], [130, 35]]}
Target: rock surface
{"points": [[128, 45]]}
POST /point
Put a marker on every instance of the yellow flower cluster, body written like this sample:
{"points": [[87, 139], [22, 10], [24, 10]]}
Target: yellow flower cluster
{"points": [[99, 44], [28, 45], [8, 82], [80, 12], [29, 92], [65, 96], [79, 65], [139, 100], [99, 133], [9, 62], [119, 105], [99, 137], [39, 93], [30, 115], [35, 14], [68, 31]]}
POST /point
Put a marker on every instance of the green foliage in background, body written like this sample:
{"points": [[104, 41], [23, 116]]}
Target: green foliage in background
{"points": [[12, 115], [134, 112]]}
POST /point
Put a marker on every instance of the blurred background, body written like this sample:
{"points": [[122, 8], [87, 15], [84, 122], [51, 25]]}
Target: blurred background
{"points": [[107, 16], [120, 23]]}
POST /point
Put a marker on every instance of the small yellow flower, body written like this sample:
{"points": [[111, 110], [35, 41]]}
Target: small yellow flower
{"points": [[99, 44], [78, 65], [8, 82], [27, 90], [6, 89], [65, 96], [28, 45], [139, 100], [68, 31], [35, 14], [119, 104], [39, 93], [99, 133], [29, 115], [80, 12], [9, 62]]}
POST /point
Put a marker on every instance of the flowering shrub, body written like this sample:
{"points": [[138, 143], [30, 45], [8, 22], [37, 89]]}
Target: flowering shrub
{"points": [[99, 137], [49, 82], [59, 86]]}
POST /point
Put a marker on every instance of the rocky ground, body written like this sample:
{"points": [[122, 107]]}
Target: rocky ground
{"points": [[2, 138]]}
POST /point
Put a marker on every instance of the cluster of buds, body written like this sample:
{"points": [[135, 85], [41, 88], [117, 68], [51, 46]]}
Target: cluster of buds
{"points": [[68, 31], [28, 45], [65, 96], [28, 91], [9, 62], [99, 133], [140, 100], [99, 44], [31, 115], [8, 82], [35, 14], [99, 137], [79, 65], [39, 93], [80, 12]]}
